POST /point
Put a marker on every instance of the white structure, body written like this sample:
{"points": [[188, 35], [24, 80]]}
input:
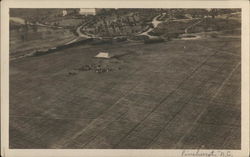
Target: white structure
{"points": [[64, 12], [87, 11], [103, 55]]}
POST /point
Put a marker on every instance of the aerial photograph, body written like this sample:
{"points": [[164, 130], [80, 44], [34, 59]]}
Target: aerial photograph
{"points": [[125, 78]]}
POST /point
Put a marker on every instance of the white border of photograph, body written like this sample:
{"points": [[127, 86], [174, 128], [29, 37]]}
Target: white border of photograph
{"points": [[6, 152]]}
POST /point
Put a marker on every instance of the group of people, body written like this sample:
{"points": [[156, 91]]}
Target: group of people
{"points": [[96, 68]]}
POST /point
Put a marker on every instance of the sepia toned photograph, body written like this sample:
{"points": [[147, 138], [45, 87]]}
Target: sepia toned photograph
{"points": [[125, 78]]}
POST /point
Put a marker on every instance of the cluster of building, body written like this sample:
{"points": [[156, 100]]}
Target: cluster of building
{"points": [[118, 22], [114, 25]]}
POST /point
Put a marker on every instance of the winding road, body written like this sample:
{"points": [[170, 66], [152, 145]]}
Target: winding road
{"points": [[80, 34], [155, 23]]}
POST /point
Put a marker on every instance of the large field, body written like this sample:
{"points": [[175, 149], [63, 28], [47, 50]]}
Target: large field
{"points": [[43, 38], [176, 94]]}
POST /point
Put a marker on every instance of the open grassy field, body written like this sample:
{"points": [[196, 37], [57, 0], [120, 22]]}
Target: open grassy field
{"points": [[177, 94], [43, 38], [179, 26]]}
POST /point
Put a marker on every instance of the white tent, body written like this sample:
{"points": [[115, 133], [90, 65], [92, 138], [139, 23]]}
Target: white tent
{"points": [[103, 55]]}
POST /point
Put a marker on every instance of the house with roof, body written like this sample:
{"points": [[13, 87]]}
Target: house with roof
{"points": [[87, 11]]}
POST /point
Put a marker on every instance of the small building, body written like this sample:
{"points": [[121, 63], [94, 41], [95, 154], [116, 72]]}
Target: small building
{"points": [[64, 12], [87, 11]]}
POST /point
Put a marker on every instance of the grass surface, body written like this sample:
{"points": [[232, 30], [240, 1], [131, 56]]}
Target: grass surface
{"points": [[43, 38], [177, 94]]}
